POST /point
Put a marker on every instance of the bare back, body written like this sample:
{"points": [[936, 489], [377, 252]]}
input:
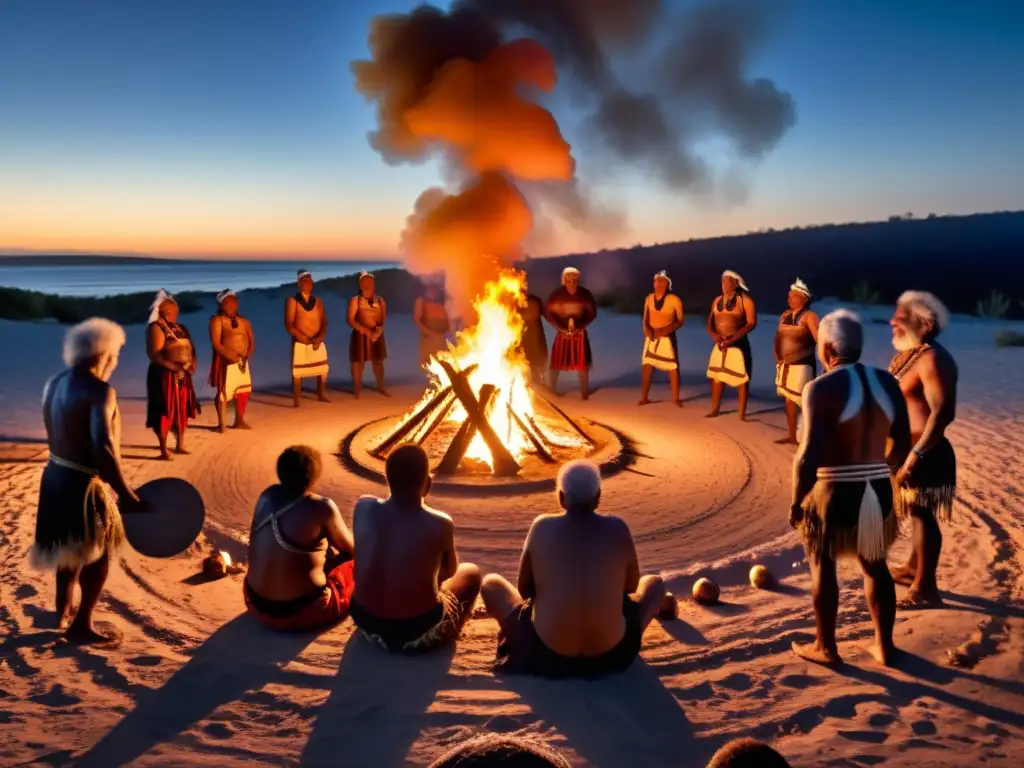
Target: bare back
{"points": [[404, 553], [581, 567]]}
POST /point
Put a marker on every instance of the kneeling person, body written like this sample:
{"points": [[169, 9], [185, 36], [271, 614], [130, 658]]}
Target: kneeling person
{"points": [[581, 608], [412, 594], [295, 581]]}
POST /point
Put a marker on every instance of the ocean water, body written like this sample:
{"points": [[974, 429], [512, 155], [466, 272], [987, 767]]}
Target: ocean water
{"points": [[175, 277]]}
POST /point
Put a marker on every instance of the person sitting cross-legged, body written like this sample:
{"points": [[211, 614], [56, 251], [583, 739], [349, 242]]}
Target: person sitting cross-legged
{"points": [[411, 594], [581, 607]]}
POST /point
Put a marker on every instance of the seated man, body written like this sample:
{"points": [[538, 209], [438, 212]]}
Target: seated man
{"points": [[747, 753], [582, 607], [294, 580], [411, 592], [494, 749]]}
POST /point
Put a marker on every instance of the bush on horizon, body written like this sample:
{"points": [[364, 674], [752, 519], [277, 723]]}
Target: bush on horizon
{"points": [[863, 294], [126, 309], [995, 306], [1009, 339]]}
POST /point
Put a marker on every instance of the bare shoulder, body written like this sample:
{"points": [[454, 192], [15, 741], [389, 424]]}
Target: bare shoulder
{"points": [[938, 358], [617, 525], [289, 301], [442, 517], [365, 503]]}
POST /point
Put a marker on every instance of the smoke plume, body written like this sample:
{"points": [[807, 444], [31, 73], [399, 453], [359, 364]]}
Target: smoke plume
{"points": [[459, 84]]}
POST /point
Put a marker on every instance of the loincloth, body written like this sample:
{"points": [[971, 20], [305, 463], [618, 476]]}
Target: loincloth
{"points": [[362, 350], [230, 379], [732, 366], [791, 378], [522, 652], [77, 521], [932, 484], [166, 392], [417, 634], [571, 352], [319, 610], [308, 362], [661, 353], [850, 513]]}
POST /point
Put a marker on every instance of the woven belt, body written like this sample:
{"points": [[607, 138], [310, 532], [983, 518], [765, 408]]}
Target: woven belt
{"points": [[855, 473]]}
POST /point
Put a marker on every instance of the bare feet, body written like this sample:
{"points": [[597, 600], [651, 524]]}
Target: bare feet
{"points": [[918, 599], [786, 441], [643, 401], [295, 404], [181, 451], [881, 654], [384, 392], [903, 574], [64, 619], [669, 607], [712, 415], [586, 397], [241, 425], [222, 428], [165, 455], [88, 635], [818, 654], [322, 399], [679, 403]]}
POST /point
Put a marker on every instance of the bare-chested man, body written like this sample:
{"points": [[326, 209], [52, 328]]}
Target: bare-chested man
{"points": [[795, 354], [412, 594], [367, 314], [733, 316], [300, 551], [581, 606], [305, 319], [170, 393], [842, 490], [663, 316], [78, 524], [928, 377], [431, 316], [230, 371]]}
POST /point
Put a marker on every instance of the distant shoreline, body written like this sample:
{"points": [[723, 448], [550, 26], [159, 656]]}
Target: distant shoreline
{"points": [[35, 261]]}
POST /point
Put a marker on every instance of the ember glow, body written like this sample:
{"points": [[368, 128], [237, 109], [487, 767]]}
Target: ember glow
{"points": [[491, 349]]}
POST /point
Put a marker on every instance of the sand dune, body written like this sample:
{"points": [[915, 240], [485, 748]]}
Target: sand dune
{"points": [[197, 683]]}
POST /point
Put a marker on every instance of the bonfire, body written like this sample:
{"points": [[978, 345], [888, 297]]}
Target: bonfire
{"points": [[479, 407]]}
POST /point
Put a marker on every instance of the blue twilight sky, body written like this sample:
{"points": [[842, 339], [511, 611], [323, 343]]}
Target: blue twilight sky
{"points": [[232, 127]]}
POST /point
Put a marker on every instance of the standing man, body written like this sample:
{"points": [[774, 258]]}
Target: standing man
{"points": [[230, 373], [733, 316], [570, 309], [305, 319], [78, 524], [663, 316], [431, 317], [367, 314], [842, 489], [170, 394], [795, 342], [534, 342], [928, 378]]}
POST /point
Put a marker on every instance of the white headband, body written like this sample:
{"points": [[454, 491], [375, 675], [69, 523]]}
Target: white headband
{"points": [[366, 274], [569, 271], [664, 276], [158, 301], [303, 273], [801, 287], [736, 276], [224, 294]]}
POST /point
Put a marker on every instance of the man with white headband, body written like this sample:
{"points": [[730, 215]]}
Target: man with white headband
{"points": [[843, 500], [795, 341], [230, 370], [663, 316], [733, 316], [570, 309], [928, 377], [170, 393], [83, 492], [305, 319], [367, 314]]}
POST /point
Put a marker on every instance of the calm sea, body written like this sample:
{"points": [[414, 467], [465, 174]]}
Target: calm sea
{"points": [[175, 277]]}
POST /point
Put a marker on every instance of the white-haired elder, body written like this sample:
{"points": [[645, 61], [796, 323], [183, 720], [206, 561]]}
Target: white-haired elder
{"points": [[170, 393], [663, 316], [305, 319], [571, 309], [233, 343], [78, 524], [843, 501], [795, 354], [732, 317], [367, 314], [580, 607], [928, 377]]}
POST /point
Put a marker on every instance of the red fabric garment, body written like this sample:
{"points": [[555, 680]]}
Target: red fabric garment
{"points": [[331, 609]]}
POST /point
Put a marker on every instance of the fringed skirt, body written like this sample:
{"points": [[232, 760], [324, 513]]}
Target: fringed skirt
{"points": [[362, 350], [78, 520], [932, 484], [571, 352], [850, 513]]}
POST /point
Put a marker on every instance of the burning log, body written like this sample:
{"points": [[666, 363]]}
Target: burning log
{"points": [[542, 451], [459, 445], [568, 419], [442, 413]]}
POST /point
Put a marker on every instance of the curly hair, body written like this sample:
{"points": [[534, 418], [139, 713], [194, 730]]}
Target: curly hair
{"points": [[299, 468]]}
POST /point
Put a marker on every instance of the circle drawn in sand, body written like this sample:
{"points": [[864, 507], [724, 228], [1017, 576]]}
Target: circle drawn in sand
{"points": [[613, 452]]}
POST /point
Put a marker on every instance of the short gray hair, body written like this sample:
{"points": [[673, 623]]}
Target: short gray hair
{"points": [[579, 482], [926, 307], [92, 338], [844, 331]]}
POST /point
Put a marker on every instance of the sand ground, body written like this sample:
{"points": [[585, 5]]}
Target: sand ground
{"points": [[197, 683]]}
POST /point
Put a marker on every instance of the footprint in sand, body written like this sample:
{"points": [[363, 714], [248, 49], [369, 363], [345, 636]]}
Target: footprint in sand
{"points": [[146, 661], [219, 731], [924, 728], [56, 697], [25, 591]]}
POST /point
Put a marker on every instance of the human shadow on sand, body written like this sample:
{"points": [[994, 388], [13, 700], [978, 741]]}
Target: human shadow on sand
{"points": [[379, 701], [624, 719], [239, 657]]}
